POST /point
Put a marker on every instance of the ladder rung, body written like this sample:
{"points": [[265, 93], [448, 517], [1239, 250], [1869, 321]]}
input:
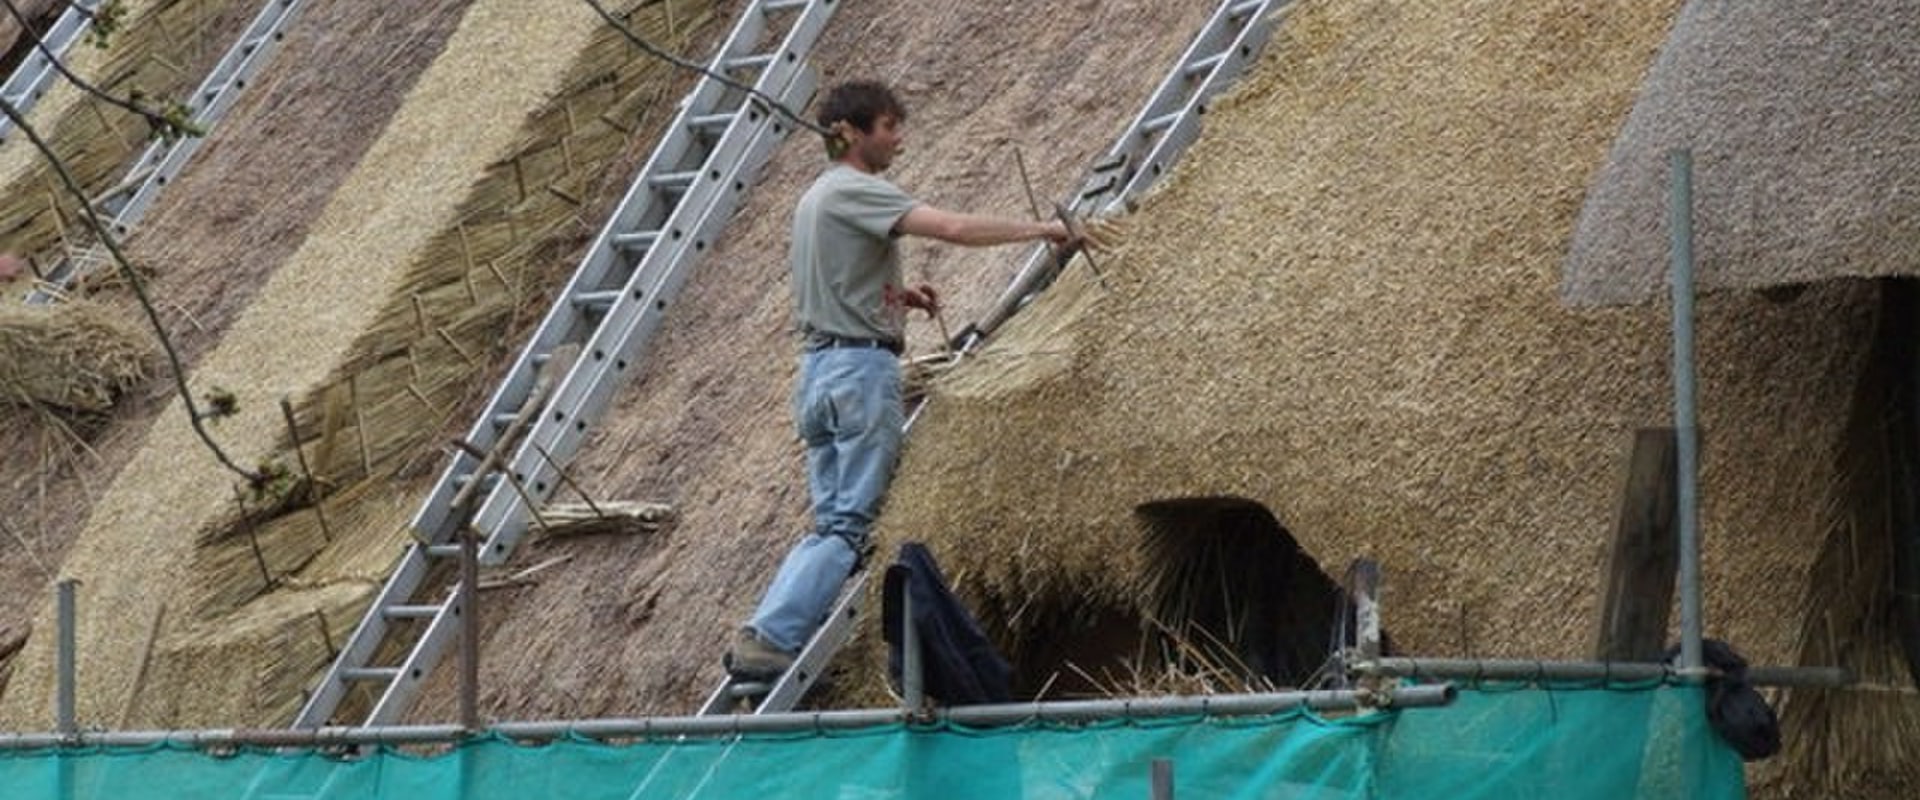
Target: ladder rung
{"points": [[444, 550], [1244, 9], [382, 674], [598, 301], [410, 612], [1102, 188], [711, 122], [1205, 65], [461, 481], [748, 62], [1160, 123], [631, 242], [782, 5], [674, 181], [739, 689]]}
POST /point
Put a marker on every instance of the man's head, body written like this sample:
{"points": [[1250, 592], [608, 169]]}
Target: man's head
{"points": [[867, 119]]}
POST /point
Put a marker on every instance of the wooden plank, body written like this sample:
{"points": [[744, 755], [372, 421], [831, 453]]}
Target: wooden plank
{"points": [[1641, 567]]}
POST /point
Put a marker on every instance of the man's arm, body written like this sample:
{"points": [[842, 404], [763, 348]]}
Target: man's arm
{"points": [[974, 230]]}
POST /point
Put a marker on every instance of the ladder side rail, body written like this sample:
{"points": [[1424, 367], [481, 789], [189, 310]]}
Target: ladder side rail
{"points": [[1239, 52], [366, 639], [211, 101], [708, 204], [825, 643], [615, 349], [419, 662], [29, 80], [600, 269]]}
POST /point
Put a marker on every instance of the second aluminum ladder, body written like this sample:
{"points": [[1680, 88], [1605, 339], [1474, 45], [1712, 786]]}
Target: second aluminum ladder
{"points": [[536, 420]]}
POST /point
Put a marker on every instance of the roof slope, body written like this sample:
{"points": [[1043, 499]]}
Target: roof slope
{"points": [[1804, 122], [1366, 339]]}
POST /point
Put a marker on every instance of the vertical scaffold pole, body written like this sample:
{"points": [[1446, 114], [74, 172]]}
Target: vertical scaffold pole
{"points": [[63, 693], [1687, 432]]}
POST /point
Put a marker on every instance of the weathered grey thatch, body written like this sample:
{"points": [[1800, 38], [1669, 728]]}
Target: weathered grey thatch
{"points": [[1804, 121]]}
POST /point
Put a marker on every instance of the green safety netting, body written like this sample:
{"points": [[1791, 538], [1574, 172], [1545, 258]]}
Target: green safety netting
{"points": [[1567, 744]]}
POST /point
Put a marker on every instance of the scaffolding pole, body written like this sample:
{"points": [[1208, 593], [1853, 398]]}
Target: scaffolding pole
{"points": [[1467, 669], [734, 725], [1686, 430]]}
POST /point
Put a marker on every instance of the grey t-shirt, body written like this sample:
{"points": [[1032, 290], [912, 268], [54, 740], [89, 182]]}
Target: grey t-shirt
{"points": [[846, 267]]}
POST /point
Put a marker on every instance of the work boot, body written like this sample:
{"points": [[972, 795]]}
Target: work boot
{"points": [[754, 658]]}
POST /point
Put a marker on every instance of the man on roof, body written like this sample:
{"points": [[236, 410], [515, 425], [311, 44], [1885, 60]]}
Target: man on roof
{"points": [[851, 304]]}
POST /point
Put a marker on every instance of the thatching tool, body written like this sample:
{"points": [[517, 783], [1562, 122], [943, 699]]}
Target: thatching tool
{"points": [[1078, 242]]}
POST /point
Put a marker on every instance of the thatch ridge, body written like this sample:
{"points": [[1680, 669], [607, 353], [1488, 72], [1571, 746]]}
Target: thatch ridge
{"points": [[1804, 122]]}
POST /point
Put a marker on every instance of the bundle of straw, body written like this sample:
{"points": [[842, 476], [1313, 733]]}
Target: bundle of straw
{"points": [[75, 355]]}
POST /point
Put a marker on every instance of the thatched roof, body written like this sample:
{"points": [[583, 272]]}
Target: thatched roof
{"points": [[1804, 122], [636, 624], [1367, 340], [298, 328]]}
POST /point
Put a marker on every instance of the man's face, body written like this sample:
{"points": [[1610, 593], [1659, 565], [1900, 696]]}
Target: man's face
{"points": [[876, 148]]}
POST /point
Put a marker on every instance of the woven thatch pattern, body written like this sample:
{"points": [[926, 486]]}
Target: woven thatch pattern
{"points": [[432, 349], [1804, 122], [163, 50], [1366, 340]]}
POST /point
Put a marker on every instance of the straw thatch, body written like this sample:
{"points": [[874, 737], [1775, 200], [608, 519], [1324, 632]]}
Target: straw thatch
{"points": [[1804, 122], [77, 356]]}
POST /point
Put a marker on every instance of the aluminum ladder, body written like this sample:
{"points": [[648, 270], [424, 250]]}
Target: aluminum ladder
{"points": [[690, 187], [1230, 40], [29, 80], [128, 201]]}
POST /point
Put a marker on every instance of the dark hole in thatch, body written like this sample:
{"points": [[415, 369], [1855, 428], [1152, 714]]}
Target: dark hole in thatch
{"points": [[1232, 595]]}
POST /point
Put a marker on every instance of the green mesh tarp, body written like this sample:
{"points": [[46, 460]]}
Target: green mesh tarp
{"points": [[1604, 744]]}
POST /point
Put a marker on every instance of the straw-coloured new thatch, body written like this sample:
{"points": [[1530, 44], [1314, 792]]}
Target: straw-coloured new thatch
{"points": [[76, 356], [1804, 122]]}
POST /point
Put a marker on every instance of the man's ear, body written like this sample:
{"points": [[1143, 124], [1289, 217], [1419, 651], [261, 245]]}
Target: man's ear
{"points": [[837, 140]]}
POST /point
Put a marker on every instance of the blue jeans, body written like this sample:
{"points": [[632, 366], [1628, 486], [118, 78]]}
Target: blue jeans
{"points": [[847, 407]]}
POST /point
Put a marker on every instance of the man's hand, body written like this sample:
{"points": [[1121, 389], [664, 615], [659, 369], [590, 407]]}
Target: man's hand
{"points": [[922, 297]]}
